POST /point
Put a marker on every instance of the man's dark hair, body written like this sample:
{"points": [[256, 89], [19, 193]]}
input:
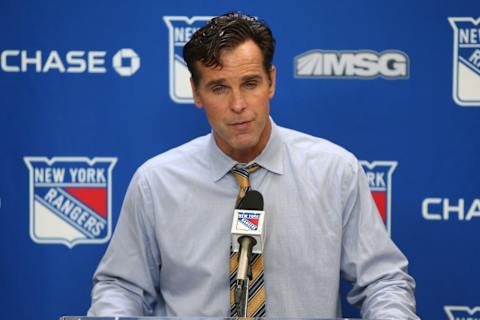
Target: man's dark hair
{"points": [[227, 32]]}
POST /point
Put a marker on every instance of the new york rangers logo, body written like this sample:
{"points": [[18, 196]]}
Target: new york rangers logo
{"points": [[70, 199], [180, 30], [248, 221], [462, 313], [466, 60], [379, 174]]}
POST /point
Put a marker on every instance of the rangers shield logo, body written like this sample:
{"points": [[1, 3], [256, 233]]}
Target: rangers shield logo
{"points": [[70, 199], [466, 61], [462, 313], [379, 174], [180, 30], [248, 221]]}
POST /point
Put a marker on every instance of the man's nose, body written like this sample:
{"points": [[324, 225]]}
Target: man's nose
{"points": [[238, 103]]}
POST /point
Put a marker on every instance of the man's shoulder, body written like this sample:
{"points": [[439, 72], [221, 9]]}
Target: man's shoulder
{"points": [[191, 153], [312, 146]]}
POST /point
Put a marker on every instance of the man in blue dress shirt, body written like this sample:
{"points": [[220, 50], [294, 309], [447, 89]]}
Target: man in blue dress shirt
{"points": [[170, 252]]}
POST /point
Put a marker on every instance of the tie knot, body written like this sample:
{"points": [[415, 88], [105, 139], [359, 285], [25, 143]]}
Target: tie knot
{"points": [[242, 174], [243, 170]]}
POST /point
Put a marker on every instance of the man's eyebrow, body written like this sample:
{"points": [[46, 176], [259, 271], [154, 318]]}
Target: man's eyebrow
{"points": [[222, 81], [251, 77]]}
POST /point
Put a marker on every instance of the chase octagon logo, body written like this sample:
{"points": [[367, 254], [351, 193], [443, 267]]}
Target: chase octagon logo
{"points": [[126, 62], [70, 199]]}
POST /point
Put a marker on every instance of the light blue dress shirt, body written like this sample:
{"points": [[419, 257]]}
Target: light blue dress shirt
{"points": [[170, 252]]}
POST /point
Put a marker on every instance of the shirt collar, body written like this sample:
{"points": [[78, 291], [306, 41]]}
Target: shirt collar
{"points": [[271, 158]]}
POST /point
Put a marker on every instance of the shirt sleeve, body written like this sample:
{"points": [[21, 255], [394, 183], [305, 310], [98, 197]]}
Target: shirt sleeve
{"points": [[382, 286], [126, 282]]}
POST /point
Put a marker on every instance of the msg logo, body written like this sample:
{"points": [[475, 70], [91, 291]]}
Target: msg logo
{"points": [[357, 64]]}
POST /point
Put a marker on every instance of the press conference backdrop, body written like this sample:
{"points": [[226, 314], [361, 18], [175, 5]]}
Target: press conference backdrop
{"points": [[92, 89]]}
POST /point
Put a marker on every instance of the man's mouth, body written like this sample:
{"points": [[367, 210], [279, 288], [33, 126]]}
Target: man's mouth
{"points": [[239, 122], [241, 125]]}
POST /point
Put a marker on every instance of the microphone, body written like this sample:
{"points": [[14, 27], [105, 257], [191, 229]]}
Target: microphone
{"points": [[248, 220], [247, 237]]}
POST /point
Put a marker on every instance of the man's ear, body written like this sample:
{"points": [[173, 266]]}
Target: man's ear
{"points": [[273, 77], [196, 97]]}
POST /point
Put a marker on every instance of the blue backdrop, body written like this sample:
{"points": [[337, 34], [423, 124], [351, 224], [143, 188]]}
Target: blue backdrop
{"points": [[92, 89]]}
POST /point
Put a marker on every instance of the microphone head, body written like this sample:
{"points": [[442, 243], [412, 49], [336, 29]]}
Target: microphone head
{"points": [[248, 220], [253, 200]]}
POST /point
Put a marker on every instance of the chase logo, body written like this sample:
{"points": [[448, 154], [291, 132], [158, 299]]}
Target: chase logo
{"points": [[356, 64], [126, 62], [462, 313], [248, 221], [70, 199], [466, 61], [180, 30], [379, 174]]}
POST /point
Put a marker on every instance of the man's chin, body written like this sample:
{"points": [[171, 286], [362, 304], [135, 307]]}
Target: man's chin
{"points": [[244, 143], [238, 145]]}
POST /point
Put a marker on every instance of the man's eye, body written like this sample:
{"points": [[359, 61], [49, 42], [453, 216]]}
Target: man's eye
{"points": [[218, 89], [251, 84]]}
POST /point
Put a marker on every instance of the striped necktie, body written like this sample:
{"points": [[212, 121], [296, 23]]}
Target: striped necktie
{"points": [[256, 289]]}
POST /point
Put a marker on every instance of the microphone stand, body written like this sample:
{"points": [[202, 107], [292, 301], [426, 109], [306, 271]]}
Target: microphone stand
{"points": [[241, 297], [244, 275]]}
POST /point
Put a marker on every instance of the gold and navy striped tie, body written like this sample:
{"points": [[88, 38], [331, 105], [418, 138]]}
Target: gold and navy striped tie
{"points": [[256, 289]]}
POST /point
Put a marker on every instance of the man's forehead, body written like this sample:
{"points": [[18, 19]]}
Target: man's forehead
{"points": [[220, 74], [237, 63], [233, 68]]}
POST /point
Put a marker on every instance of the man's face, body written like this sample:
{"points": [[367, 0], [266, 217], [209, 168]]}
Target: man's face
{"points": [[236, 98]]}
